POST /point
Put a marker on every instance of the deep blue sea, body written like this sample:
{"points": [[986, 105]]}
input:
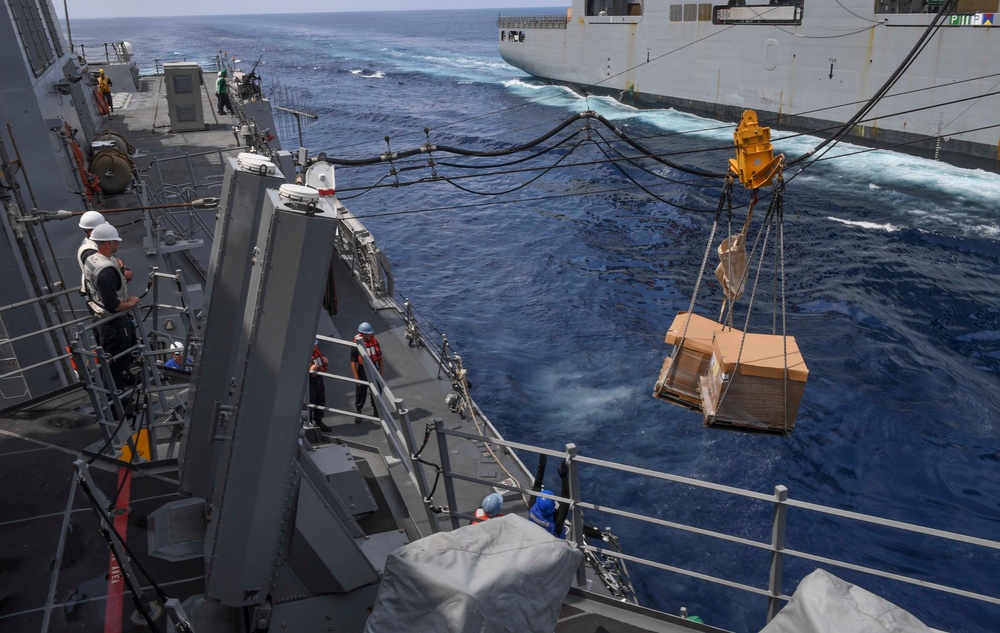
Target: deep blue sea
{"points": [[559, 300]]}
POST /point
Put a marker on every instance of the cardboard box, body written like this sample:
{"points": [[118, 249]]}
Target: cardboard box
{"points": [[745, 385], [678, 380]]}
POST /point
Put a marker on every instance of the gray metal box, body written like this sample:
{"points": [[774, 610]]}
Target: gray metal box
{"points": [[184, 95], [339, 468]]}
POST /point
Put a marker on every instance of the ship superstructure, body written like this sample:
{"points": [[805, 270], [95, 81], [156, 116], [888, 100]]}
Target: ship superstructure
{"points": [[801, 64]]}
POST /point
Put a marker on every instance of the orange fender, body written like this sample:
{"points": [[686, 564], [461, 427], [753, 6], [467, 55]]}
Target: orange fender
{"points": [[102, 105]]}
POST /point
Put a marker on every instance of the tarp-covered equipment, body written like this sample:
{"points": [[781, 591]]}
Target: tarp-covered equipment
{"points": [[502, 575], [823, 603]]}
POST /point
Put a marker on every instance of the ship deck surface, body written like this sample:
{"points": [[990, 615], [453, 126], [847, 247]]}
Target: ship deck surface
{"points": [[55, 566]]}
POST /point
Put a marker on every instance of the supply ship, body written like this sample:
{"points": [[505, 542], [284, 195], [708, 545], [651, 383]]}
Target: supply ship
{"points": [[800, 64], [208, 497]]}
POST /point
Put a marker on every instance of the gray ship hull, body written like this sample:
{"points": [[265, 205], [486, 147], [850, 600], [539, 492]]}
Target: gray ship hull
{"points": [[808, 67]]}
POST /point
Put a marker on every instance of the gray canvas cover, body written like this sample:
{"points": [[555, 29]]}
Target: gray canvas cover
{"points": [[504, 574], [823, 603]]}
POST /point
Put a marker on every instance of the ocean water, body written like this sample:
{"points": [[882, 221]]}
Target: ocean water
{"points": [[559, 299]]}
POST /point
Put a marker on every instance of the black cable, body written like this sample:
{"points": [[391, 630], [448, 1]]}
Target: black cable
{"points": [[634, 143], [107, 442], [367, 188], [140, 393], [609, 160], [632, 161], [546, 170], [891, 81], [499, 173], [107, 532], [768, 121], [639, 185], [427, 148], [162, 595], [513, 162], [901, 113]]}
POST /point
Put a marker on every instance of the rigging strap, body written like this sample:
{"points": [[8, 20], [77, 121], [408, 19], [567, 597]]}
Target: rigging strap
{"points": [[775, 214], [725, 201]]}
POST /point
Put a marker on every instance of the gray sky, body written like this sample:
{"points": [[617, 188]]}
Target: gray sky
{"points": [[79, 9]]}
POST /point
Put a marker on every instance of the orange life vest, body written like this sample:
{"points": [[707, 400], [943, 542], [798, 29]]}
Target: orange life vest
{"points": [[480, 517], [371, 347], [323, 363]]}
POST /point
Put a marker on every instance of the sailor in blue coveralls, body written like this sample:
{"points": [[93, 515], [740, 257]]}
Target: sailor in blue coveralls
{"points": [[544, 512]]}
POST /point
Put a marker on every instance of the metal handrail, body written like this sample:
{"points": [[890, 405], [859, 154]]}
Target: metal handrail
{"points": [[899, 525], [779, 500], [386, 405]]}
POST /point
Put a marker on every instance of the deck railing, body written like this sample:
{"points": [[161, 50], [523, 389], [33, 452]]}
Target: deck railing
{"points": [[779, 501]]}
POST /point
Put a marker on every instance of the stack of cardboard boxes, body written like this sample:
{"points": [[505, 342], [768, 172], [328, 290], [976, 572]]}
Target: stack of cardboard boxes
{"points": [[744, 381]]}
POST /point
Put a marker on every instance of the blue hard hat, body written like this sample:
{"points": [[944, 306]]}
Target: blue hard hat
{"points": [[491, 504], [366, 328], [545, 506], [315, 341]]}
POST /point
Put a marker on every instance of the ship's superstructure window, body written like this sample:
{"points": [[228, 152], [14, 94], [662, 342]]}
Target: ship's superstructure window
{"points": [[37, 34], [613, 7], [907, 6], [934, 6], [691, 12], [773, 12]]}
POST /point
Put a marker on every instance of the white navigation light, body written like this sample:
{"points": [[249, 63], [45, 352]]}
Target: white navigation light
{"points": [[321, 178]]}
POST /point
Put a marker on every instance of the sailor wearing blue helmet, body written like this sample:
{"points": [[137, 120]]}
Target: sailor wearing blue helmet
{"points": [[489, 508], [544, 512], [365, 339]]}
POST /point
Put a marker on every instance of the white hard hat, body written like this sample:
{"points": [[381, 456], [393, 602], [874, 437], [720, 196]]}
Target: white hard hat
{"points": [[177, 347], [105, 233], [91, 220]]}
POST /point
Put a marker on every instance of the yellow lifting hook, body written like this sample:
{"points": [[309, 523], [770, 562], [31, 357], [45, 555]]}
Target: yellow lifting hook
{"points": [[755, 165]]}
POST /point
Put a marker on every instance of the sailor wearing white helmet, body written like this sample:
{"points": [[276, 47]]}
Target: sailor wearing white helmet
{"points": [[88, 222], [176, 360], [107, 294]]}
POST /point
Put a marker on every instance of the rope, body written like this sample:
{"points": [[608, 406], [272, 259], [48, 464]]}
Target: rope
{"points": [[725, 200], [460, 372], [780, 189]]}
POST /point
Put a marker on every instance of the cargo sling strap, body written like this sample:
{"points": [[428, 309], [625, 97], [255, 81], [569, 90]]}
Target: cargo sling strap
{"points": [[725, 202], [774, 217], [734, 268]]}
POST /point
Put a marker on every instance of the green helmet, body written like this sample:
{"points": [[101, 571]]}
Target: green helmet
{"points": [[223, 72]]}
